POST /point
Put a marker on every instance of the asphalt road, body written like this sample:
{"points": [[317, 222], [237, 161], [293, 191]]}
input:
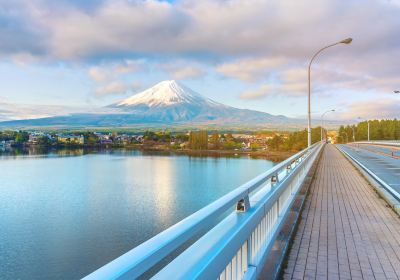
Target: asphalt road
{"points": [[378, 160]]}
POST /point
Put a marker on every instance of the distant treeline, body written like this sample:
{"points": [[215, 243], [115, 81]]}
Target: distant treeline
{"points": [[18, 136], [294, 141], [378, 130]]}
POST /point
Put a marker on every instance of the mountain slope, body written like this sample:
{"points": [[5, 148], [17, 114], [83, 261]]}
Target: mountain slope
{"points": [[170, 101], [167, 102]]}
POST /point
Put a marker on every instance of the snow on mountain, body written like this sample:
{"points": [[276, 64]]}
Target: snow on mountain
{"points": [[172, 102], [166, 93]]}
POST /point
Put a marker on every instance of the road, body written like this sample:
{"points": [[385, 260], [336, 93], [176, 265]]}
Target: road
{"points": [[379, 160]]}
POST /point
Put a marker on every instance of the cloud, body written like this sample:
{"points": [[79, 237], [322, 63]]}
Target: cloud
{"points": [[98, 74], [10, 111], [21, 33], [108, 77], [116, 87], [324, 80], [250, 69], [372, 109], [291, 83], [258, 93], [183, 69], [116, 28], [109, 71], [253, 41]]}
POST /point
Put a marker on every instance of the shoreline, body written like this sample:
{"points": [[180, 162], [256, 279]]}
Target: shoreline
{"points": [[275, 156]]}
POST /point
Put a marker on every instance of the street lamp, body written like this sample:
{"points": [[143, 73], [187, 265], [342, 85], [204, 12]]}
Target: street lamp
{"points": [[345, 41], [322, 120]]}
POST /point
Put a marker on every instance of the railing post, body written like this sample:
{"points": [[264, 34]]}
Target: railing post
{"points": [[278, 207]]}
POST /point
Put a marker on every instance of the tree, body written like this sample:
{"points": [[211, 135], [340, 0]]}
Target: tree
{"points": [[275, 142], [198, 140], [214, 141], [21, 137]]}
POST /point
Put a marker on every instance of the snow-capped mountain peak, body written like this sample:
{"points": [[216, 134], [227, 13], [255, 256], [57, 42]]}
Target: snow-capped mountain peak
{"points": [[165, 93], [172, 102]]}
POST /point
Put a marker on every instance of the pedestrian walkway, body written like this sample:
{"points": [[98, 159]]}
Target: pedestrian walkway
{"points": [[346, 231]]}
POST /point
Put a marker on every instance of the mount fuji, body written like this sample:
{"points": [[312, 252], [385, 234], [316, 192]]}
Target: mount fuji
{"points": [[168, 102]]}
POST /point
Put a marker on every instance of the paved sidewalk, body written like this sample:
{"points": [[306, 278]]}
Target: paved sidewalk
{"points": [[346, 231]]}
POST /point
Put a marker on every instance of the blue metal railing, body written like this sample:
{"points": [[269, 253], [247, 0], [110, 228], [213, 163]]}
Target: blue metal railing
{"points": [[235, 246]]}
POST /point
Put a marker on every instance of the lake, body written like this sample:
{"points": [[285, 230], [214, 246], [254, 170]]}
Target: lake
{"points": [[63, 215]]}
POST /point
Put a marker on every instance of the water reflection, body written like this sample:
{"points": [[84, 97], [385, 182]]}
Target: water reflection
{"points": [[42, 151], [66, 213]]}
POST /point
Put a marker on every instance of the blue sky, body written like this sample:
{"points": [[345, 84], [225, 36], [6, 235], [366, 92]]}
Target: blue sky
{"points": [[66, 56]]}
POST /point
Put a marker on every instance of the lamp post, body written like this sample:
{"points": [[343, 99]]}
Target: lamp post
{"points": [[345, 41], [322, 120]]}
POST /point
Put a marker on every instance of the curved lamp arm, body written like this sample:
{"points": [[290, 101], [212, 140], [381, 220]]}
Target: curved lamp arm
{"points": [[345, 41]]}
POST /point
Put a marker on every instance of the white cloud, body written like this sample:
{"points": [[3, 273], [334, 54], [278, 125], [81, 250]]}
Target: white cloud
{"points": [[250, 69], [110, 71], [108, 77], [115, 88], [372, 109], [258, 93], [10, 111], [251, 40], [98, 74], [183, 69]]}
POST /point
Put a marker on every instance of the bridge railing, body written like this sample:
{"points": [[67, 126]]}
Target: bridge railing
{"points": [[379, 142], [234, 248]]}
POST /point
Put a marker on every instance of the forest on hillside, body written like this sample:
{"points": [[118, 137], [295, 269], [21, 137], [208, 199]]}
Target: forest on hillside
{"points": [[379, 130], [294, 141]]}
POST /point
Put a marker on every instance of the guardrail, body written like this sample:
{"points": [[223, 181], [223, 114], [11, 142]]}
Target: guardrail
{"points": [[379, 142], [237, 246], [386, 186]]}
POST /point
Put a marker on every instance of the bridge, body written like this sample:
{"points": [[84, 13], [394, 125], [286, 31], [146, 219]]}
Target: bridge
{"points": [[328, 212]]}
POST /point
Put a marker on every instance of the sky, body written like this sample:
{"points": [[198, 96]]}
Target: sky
{"points": [[58, 57]]}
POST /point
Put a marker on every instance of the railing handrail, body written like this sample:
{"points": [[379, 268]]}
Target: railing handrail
{"points": [[141, 258], [395, 194], [380, 142]]}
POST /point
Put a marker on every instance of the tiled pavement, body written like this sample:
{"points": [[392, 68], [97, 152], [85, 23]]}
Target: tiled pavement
{"points": [[346, 231]]}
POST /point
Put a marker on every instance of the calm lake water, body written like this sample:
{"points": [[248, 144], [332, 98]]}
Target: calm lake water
{"points": [[62, 217]]}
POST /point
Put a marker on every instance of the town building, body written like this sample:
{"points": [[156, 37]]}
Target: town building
{"points": [[71, 139]]}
